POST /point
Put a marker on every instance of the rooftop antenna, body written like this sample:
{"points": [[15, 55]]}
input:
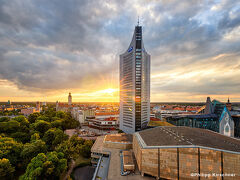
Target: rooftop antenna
{"points": [[138, 21]]}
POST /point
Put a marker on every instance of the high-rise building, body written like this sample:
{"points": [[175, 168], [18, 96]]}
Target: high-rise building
{"points": [[69, 99], [134, 85]]}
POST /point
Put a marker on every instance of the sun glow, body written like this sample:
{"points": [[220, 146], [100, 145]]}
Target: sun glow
{"points": [[109, 91]]}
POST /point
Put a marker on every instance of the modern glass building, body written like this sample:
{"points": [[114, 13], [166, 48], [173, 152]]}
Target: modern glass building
{"points": [[134, 85]]}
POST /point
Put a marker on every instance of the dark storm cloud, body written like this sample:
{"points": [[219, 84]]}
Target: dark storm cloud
{"points": [[64, 44]]}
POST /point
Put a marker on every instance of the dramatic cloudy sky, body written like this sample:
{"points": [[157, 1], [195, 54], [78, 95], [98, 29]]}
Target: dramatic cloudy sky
{"points": [[48, 48]]}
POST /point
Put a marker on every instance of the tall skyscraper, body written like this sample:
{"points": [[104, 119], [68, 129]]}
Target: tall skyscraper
{"points": [[69, 99], [134, 85]]}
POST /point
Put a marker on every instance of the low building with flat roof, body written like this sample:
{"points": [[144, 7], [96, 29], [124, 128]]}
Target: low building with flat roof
{"points": [[98, 150], [181, 152], [128, 163], [103, 124], [104, 143]]}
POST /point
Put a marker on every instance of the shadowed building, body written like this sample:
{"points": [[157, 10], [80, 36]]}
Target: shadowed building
{"points": [[134, 85]]}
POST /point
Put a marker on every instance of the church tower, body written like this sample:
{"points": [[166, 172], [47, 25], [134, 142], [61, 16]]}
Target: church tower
{"points": [[229, 105], [69, 99]]}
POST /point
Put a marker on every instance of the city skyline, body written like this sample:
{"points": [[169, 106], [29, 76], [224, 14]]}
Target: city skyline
{"points": [[44, 53]]}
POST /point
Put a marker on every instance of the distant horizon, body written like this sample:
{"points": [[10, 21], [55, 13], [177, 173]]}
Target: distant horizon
{"points": [[111, 102]]}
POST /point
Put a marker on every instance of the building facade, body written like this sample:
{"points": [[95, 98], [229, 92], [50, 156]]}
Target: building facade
{"points": [[134, 85], [103, 124]]}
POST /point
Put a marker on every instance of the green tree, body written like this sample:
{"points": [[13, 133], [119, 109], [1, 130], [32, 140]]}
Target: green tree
{"points": [[10, 149], [9, 126], [33, 117], [4, 119], [30, 150], [22, 132], [6, 169], [21, 136], [17, 128], [45, 166], [53, 137], [44, 118], [57, 124], [22, 120], [41, 126], [60, 114], [85, 149], [35, 137], [69, 122], [75, 147]]}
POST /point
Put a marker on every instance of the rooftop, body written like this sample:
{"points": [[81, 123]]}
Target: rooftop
{"points": [[187, 137], [98, 145], [195, 116], [118, 138]]}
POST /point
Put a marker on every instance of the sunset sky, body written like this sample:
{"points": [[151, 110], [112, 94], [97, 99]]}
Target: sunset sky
{"points": [[49, 48]]}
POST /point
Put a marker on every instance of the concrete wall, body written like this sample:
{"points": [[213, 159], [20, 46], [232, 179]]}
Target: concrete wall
{"points": [[117, 145]]}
